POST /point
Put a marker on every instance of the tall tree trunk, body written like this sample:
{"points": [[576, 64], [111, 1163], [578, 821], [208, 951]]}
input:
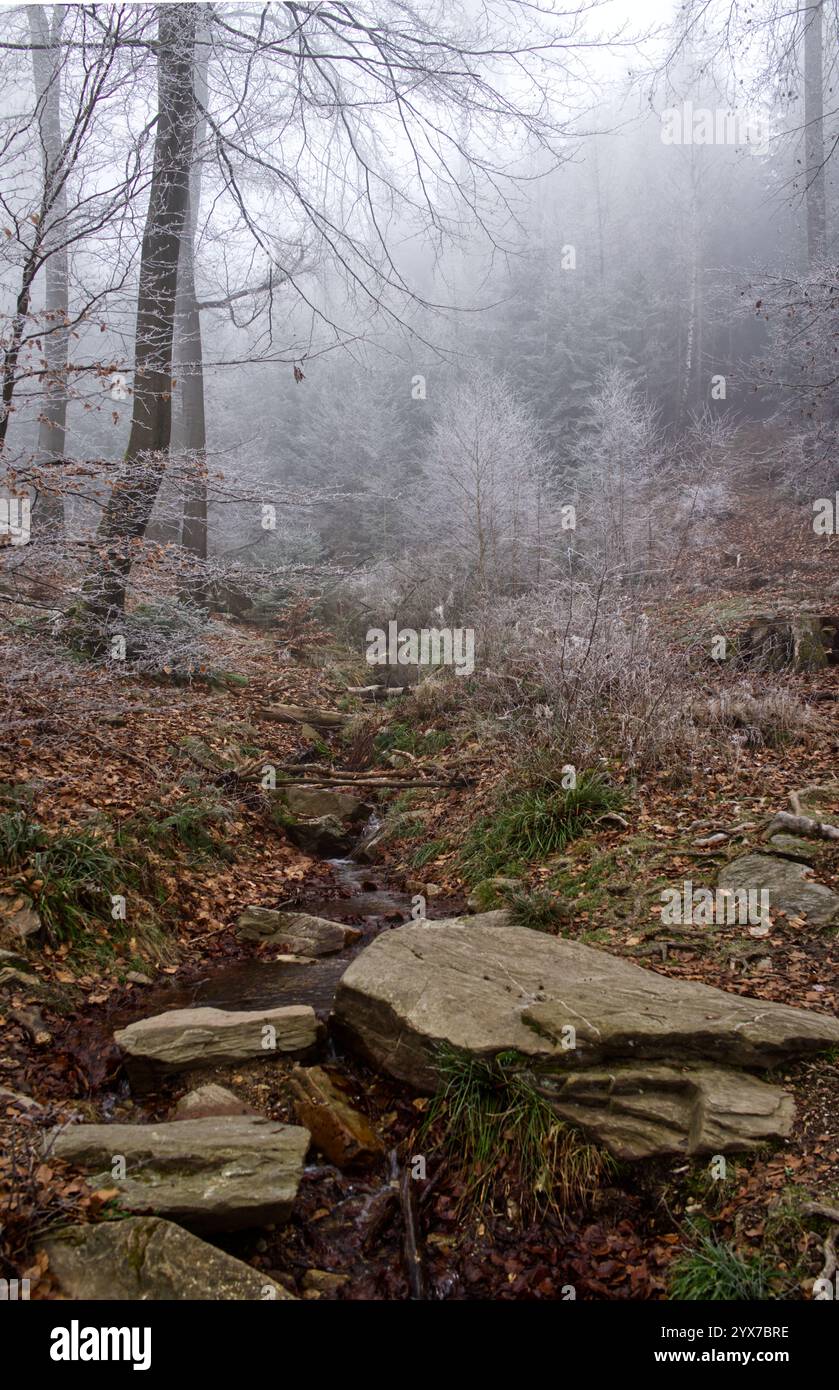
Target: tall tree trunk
{"points": [[126, 515], [814, 132], [189, 435], [46, 63]]}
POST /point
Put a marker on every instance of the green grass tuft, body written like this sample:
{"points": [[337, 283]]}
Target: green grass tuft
{"points": [[535, 824], [504, 1137], [716, 1272]]}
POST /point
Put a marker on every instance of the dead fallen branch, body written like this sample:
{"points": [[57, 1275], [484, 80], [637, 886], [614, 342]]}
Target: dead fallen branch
{"points": [[410, 1237], [304, 714], [802, 825]]}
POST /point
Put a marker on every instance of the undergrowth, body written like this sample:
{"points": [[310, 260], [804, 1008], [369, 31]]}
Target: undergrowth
{"points": [[715, 1271], [505, 1140], [534, 824]]}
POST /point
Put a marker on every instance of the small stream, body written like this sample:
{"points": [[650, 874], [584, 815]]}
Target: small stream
{"points": [[260, 982]]}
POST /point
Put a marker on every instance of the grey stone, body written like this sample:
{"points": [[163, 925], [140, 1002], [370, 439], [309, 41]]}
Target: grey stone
{"points": [[573, 1016], [325, 836], [187, 1038], [222, 1173], [298, 932], [209, 1100], [144, 1259], [315, 802], [638, 1111], [791, 887]]}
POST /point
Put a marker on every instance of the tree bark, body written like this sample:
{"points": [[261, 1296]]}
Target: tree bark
{"points": [[129, 507], [46, 64], [189, 433], [814, 133]]}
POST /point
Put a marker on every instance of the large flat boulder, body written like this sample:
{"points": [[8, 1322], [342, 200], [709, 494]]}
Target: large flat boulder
{"points": [[187, 1038], [651, 1110], [790, 885], [583, 1023], [485, 987], [298, 932], [222, 1173], [145, 1259]]}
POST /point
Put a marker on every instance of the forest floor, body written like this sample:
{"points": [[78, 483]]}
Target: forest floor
{"points": [[121, 755]]}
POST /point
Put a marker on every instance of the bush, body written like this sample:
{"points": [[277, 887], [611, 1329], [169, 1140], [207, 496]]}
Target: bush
{"points": [[539, 910], [575, 669], [772, 720], [72, 877], [166, 637]]}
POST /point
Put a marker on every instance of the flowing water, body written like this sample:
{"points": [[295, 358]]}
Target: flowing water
{"points": [[264, 983]]}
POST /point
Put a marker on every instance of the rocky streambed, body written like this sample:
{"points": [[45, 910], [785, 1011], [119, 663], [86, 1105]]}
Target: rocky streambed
{"points": [[265, 1137]]}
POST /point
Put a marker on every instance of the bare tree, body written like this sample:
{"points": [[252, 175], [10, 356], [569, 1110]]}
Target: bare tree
{"points": [[47, 64], [126, 515], [814, 133], [483, 495]]}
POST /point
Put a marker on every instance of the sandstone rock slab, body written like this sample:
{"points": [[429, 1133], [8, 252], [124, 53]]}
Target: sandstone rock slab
{"points": [[217, 1174], [790, 884], [641, 1063], [483, 986], [186, 1038], [649, 1111], [146, 1259]]}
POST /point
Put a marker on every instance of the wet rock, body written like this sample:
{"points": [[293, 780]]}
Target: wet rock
{"points": [[337, 1128], [482, 987], [327, 837], [186, 1038], [317, 802], [298, 932], [320, 1281], [367, 848], [146, 1259], [223, 1173], [209, 1100], [790, 885]]}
